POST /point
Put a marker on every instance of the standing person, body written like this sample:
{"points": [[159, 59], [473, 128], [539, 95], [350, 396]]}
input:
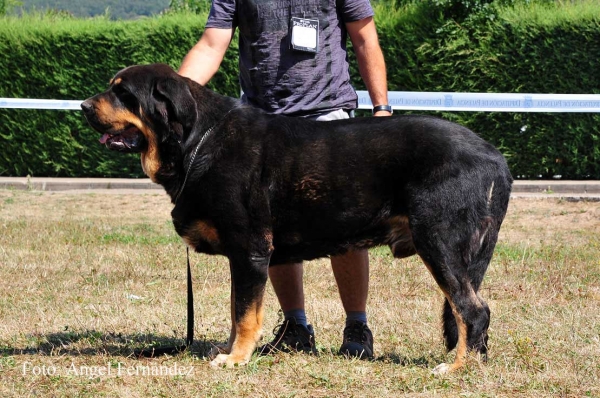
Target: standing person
{"points": [[293, 61]]}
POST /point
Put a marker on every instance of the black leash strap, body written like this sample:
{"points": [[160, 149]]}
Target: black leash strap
{"points": [[189, 340]]}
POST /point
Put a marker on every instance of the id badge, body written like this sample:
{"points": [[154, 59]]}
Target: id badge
{"points": [[305, 34]]}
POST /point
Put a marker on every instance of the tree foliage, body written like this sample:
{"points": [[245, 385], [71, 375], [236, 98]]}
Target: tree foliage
{"points": [[116, 9], [195, 6], [7, 5]]}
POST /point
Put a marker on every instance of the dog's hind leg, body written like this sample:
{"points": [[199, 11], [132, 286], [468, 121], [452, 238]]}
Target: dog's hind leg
{"points": [[477, 340], [466, 316], [478, 254]]}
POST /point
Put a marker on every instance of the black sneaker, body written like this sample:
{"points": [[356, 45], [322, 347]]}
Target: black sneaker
{"points": [[290, 337], [358, 341]]}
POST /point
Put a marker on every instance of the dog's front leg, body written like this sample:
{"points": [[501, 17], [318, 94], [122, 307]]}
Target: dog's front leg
{"points": [[248, 277], [226, 348]]}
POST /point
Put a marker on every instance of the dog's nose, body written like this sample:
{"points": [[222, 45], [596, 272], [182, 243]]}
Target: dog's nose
{"points": [[87, 107]]}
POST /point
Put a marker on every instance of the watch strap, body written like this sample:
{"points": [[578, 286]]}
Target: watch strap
{"points": [[387, 108]]}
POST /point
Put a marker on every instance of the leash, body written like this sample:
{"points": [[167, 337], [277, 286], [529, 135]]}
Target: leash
{"points": [[189, 340]]}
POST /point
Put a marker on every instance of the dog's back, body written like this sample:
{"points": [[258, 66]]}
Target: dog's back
{"points": [[336, 185]]}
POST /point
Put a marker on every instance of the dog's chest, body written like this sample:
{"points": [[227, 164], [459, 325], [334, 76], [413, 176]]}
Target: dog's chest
{"points": [[200, 235]]}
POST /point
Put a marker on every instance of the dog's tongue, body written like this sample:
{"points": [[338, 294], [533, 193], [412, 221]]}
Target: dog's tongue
{"points": [[104, 138]]}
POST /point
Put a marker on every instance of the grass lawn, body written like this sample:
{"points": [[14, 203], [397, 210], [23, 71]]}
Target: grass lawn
{"points": [[86, 278]]}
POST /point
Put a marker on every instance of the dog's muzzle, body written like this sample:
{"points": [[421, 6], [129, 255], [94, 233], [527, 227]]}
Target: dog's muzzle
{"points": [[128, 140]]}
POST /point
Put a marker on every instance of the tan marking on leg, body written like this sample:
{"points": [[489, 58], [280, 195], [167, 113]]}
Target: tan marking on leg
{"points": [[226, 348], [247, 334], [461, 345]]}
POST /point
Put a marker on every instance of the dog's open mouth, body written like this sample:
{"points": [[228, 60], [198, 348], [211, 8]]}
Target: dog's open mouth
{"points": [[130, 140]]}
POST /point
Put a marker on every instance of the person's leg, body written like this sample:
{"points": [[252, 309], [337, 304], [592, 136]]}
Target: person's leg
{"points": [[351, 272], [287, 281], [294, 334]]}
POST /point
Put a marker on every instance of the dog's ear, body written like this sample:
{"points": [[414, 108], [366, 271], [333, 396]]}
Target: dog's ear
{"points": [[180, 106]]}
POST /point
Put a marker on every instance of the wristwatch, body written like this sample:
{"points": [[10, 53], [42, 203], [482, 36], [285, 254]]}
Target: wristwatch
{"points": [[387, 108]]}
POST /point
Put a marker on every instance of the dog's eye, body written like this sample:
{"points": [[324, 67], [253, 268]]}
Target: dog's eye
{"points": [[123, 95]]}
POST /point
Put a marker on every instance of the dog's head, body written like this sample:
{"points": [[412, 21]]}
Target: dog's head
{"points": [[146, 109]]}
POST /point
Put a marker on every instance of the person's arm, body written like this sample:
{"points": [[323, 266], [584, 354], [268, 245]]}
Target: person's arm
{"points": [[203, 60], [371, 64]]}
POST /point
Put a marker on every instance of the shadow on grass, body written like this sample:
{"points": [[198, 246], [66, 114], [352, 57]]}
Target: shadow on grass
{"points": [[424, 361], [95, 343], [92, 342]]}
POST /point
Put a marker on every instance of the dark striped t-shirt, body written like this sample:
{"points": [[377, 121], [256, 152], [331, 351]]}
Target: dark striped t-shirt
{"points": [[277, 78]]}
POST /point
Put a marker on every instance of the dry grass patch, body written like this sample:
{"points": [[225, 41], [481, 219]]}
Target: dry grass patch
{"points": [[88, 278]]}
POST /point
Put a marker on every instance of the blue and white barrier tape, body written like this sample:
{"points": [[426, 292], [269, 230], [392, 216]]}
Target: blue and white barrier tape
{"points": [[410, 100], [487, 102], [25, 103]]}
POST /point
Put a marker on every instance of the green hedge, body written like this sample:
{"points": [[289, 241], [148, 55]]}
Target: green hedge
{"points": [[529, 49], [538, 47], [533, 47], [74, 59]]}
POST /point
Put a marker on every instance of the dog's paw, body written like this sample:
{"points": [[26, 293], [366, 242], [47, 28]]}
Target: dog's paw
{"points": [[226, 361], [442, 369], [219, 349]]}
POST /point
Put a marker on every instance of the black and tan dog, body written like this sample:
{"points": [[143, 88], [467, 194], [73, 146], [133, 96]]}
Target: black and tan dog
{"points": [[264, 190]]}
